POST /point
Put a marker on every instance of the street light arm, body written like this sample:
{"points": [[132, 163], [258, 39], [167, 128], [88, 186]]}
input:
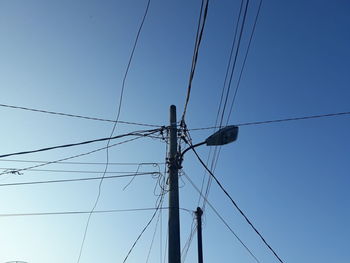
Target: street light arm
{"points": [[191, 147]]}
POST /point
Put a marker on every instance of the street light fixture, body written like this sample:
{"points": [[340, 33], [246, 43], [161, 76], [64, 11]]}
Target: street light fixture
{"points": [[223, 136]]}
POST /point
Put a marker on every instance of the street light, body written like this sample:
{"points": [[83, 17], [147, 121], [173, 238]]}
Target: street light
{"points": [[223, 136]]}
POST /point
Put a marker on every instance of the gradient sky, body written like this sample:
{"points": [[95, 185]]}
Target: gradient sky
{"points": [[291, 179]]}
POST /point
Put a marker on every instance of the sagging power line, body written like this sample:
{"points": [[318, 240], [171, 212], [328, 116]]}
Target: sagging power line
{"points": [[143, 133]]}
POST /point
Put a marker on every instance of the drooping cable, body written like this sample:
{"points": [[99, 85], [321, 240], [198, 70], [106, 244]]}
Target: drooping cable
{"points": [[69, 171], [237, 207], [138, 133], [87, 212], [82, 163], [153, 236], [114, 126], [221, 218], [160, 202], [77, 179], [67, 158]]}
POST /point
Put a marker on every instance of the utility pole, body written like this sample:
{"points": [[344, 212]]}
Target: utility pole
{"points": [[199, 214], [174, 218]]}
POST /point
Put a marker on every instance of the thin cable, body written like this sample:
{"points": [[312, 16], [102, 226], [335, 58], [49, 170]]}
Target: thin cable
{"points": [[244, 61], [79, 143], [76, 116], [68, 171], [154, 235], [235, 59], [236, 206], [221, 218], [280, 120], [77, 179], [218, 149], [86, 212], [114, 126], [68, 158], [215, 162], [144, 229], [199, 36], [82, 163], [216, 154]]}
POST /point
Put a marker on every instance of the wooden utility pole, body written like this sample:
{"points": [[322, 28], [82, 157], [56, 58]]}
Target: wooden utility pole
{"points": [[174, 254]]}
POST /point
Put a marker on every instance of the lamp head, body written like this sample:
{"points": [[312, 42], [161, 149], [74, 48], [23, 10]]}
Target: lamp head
{"points": [[223, 136]]}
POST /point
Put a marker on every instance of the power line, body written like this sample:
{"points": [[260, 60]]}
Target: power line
{"points": [[78, 179], [82, 143], [279, 120], [221, 218], [13, 170], [87, 212], [84, 163], [235, 59], [199, 35], [236, 206], [218, 150], [220, 105], [68, 158], [244, 60], [76, 116]]}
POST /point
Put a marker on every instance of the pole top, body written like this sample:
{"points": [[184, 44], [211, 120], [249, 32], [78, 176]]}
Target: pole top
{"points": [[199, 211]]}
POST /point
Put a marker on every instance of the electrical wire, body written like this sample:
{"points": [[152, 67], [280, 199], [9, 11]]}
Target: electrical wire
{"points": [[221, 218], [77, 179], [86, 212], [83, 163], [235, 59], [244, 61], [77, 116], [237, 207], [199, 35], [68, 171], [279, 120], [67, 158], [218, 149], [161, 199], [219, 108], [153, 236], [114, 126], [82, 143]]}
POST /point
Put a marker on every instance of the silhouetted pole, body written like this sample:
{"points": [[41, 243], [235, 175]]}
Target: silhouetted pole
{"points": [[174, 255], [199, 214]]}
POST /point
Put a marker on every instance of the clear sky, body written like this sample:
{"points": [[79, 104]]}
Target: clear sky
{"points": [[290, 178]]}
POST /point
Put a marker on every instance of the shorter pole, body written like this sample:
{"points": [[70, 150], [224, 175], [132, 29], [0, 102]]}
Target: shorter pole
{"points": [[199, 213]]}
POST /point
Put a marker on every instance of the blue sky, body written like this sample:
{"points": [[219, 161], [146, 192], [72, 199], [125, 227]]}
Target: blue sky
{"points": [[290, 178]]}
